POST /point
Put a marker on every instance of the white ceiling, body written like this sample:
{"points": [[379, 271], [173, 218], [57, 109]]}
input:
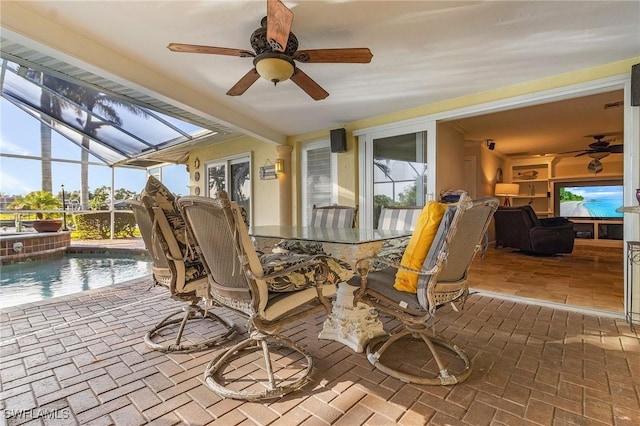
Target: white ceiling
{"points": [[424, 52]]}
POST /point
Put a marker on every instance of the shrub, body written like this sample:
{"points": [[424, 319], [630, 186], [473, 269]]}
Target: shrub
{"points": [[97, 225]]}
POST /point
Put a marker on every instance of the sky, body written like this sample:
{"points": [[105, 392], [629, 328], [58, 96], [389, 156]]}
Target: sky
{"points": [[20, 134]]}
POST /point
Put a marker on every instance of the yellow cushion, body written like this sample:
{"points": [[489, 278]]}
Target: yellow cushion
{"points": [[418, 247]]}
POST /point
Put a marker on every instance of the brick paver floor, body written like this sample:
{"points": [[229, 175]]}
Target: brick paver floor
{"points": [[81, 359]]}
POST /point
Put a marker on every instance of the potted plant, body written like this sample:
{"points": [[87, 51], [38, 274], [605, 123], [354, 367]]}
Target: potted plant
{"points": [[42, 200]]}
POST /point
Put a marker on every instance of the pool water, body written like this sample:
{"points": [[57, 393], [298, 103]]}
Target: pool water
{"points": [[42, 279]]}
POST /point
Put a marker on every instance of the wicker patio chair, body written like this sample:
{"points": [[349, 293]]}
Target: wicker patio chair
{"points": [[442, 281], [244, 281], [334, 216], [175, 268], [401, 219]]}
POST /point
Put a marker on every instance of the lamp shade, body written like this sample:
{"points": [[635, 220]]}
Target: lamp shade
{"points": [[507, 189]]}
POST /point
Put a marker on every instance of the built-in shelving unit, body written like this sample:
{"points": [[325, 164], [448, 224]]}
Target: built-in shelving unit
{"points": [[598, 232], [536, 177], [533, 175]]}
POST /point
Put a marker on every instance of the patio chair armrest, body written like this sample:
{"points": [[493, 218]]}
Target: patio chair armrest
{"points": [[364, 266]]}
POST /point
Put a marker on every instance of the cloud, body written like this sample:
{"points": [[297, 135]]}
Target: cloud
{"points": [[9, 147], [13, 185]]}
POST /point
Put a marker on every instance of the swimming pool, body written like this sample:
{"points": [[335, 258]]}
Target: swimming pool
{"points": [[42, 279]]}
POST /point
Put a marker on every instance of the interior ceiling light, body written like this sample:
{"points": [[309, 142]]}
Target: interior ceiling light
{"points": [[598, 155], [274, 67], [275, 48]]}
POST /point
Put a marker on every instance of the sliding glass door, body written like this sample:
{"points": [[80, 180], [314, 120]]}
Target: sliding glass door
{"points": [[232, 175], [396, 170]]}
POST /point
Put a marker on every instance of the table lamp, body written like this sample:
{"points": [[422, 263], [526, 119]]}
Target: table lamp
{"points": [[507, 190]]}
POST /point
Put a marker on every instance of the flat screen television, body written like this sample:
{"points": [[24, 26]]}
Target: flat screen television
{"points": [[589, 199]]}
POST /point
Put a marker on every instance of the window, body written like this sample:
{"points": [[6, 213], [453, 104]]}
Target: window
{"points": [[318, 177], [395, 168], [399, 172], [233, 175]]}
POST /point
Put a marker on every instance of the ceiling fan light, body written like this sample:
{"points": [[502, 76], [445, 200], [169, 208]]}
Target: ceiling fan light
{"points": [[598, 155], [274, 69]]}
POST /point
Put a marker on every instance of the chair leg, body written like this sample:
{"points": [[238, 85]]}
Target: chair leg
{"points": [[379, 345], [256, 386], [190, 312]]}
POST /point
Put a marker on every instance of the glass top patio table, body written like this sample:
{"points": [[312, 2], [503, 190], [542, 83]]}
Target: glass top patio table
{"points": [[326, 235], [348, 324]]}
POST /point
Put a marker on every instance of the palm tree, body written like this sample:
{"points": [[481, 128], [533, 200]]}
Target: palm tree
{"points": [[51, 107], [104, 105]]}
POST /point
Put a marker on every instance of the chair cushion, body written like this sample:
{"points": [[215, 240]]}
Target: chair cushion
{"points": [[419, 244], [337, 271], [297, 246], [400, 218], [328, 217], [440, 237], [163, 198], [281, 304], [392, 251], [378, 282]]}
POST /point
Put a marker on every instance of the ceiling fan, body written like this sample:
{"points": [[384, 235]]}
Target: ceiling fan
{"points": [[600, 148], [276, 49]]}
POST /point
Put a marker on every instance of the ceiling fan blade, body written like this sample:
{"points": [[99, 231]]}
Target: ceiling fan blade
{"points": [[279, 20], [615, 149], [357, 55], [244, 83], [195, 48], [571, 152], [584, 153], [305, 82]]}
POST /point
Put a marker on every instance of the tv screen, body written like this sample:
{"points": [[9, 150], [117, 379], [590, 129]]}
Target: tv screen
{"points": [[589, 200]]}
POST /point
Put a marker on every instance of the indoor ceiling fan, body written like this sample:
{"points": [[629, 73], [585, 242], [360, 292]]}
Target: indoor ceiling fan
{"points": [[598, 150], [275, 50]]}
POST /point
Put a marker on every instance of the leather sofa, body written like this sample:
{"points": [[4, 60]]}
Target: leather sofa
{"points": [[520, 228]]}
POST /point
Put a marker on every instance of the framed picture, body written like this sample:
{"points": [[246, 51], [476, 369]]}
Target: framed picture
{"points": [[499, 176]]}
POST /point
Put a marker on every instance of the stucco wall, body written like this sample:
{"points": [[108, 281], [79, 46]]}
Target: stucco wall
{"points": [[266, 196], [449, 159]]}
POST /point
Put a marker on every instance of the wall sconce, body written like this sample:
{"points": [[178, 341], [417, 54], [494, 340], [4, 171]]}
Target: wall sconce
{"points": [[279, 166]]}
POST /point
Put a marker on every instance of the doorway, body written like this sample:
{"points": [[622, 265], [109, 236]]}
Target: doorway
{"points": [[593, 276]]}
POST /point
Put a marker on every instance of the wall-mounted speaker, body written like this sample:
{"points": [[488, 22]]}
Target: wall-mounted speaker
{"points": [[635, 85], [338, 140]]}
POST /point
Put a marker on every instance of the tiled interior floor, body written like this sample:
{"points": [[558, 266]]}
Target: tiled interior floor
{"points": [[590, 277], [83, 356]]}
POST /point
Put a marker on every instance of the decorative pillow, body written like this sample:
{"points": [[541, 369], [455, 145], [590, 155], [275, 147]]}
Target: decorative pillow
{"points": [[419, 244], [304, 277]]}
